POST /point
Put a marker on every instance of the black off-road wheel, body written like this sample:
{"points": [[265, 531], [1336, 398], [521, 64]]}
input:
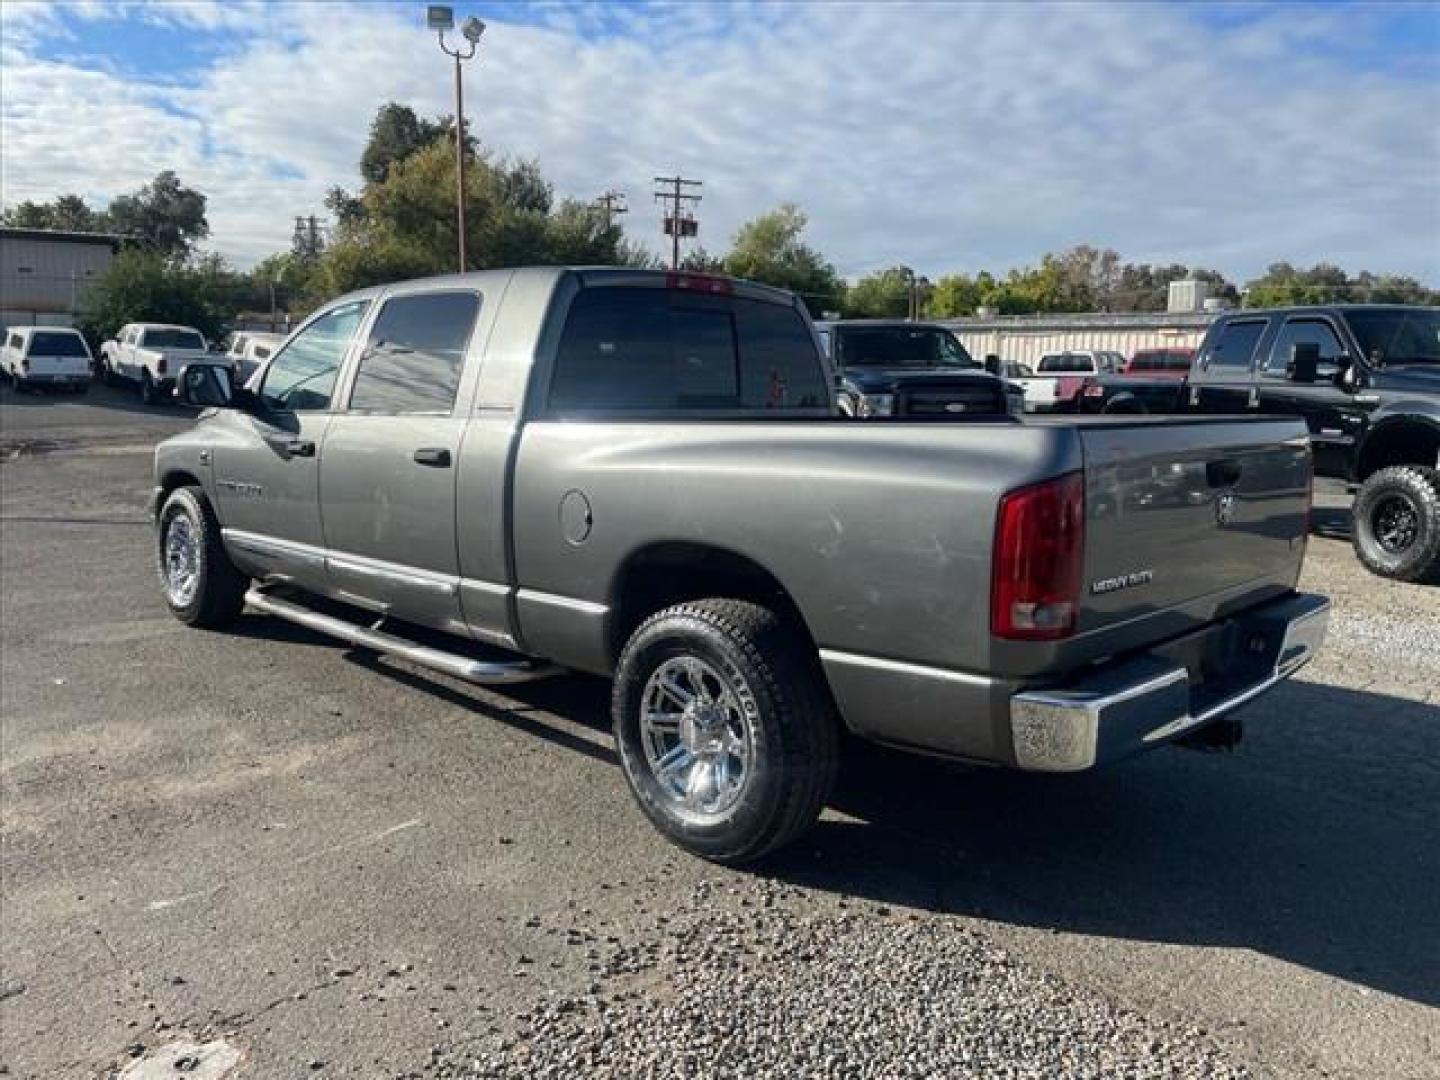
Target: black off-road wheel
{"points": [[202, 586], [725, 727], [149, 392], [1396, 523]]}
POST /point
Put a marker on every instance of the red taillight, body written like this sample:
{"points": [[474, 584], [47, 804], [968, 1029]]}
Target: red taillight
{"points": [[1039, 551], [700, 283], [160, 366]]}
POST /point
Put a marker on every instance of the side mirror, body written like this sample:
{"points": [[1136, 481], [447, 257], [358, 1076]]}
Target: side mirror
{"points": [[206, 386], [992, 363], [1304, 363]]}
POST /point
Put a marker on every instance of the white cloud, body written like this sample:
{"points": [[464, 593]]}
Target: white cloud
{"points": [[945, 136]]}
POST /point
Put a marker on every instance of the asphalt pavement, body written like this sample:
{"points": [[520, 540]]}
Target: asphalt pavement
{"points": [[263, 847]]}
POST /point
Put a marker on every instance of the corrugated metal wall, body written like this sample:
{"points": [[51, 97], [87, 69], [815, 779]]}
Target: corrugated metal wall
{"points": [[1027, 346], [47, 277], [1026, 338]]}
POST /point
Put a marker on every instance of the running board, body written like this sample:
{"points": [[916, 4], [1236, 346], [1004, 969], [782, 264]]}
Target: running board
{"points": [[464, 667]]}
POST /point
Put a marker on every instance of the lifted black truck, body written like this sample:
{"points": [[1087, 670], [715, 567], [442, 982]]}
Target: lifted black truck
{"points": [[1366, 380]]}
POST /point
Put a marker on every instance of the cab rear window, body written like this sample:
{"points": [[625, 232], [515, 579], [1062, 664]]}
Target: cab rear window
{"points": [[641, 350], [57, 345]]}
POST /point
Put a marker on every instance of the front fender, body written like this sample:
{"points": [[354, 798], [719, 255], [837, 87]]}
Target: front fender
{"points": [[184, 459], [1390, 419]]}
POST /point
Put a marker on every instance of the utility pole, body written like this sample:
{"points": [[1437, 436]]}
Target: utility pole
{"points": [[679, 217], [610, 204]]}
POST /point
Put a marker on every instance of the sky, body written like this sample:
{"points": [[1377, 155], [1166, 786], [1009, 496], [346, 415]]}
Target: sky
{"points": [[948, 136]]}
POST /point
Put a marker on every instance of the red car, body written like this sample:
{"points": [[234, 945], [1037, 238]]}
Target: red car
{"points": [[1160, 363]]}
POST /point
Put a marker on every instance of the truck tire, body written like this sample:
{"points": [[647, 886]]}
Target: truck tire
{"points": [[1396, 526], [148, 393], [725, 728], [202, 586]]}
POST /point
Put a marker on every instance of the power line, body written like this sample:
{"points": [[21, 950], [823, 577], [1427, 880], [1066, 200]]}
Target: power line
{"points": [[679, 219]]}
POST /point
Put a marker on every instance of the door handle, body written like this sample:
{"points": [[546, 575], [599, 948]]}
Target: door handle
{"points": [[1222, 473], [435, 456], [293, 447]]}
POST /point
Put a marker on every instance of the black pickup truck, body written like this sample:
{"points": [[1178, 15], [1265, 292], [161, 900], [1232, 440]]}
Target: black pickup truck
{"points": [[1366, 379], [921, 371]]}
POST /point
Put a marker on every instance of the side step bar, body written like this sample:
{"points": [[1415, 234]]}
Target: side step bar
{"points": [[464, 667]]}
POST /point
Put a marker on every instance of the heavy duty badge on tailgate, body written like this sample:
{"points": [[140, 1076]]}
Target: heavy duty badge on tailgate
{"points": [[1122, 581]]}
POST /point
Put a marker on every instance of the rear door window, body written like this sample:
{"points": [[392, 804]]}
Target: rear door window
{"points": [[778, 365], [1233, 347], [651, 350], [415, 354]]}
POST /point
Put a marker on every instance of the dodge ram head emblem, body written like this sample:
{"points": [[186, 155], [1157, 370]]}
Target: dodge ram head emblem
{"points": [[1224, 508]]}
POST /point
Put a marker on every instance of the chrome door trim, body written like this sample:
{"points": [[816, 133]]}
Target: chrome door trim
{"points": [[409, 577], [896, 667], [570, 603], [273, 547], [491, 587], [397, 573]]}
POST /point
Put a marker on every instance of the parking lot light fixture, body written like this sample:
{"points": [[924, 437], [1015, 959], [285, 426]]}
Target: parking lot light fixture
{"points": [[440, 19]]}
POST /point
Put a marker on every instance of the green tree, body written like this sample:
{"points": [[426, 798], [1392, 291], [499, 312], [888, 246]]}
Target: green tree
{"points": [[881, 295], [954, 296], [699, 261], [771, 249], [404, 226], [165, 216], [396, 134], [1324, 283], [69, 212], [146, 286]]}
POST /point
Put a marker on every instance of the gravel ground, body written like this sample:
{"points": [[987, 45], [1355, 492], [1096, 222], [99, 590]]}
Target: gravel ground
{"points": [[779, 989], [318, 863]]}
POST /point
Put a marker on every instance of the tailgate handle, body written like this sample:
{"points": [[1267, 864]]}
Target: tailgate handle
{"points": [[1222, 473]]}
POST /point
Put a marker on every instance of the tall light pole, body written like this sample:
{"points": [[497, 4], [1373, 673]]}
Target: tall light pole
{"points": [[441, 19]]}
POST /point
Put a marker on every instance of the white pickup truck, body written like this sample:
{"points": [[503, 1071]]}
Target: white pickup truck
{"points": [[54, 356], [152, 354]]}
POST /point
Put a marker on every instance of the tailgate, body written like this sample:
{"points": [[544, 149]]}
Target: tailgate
{"points": [[1178, 511], [56, 367]]}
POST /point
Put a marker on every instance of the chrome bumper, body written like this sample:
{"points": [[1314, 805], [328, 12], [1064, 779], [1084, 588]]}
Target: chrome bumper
{"points": [[1145, 701]]}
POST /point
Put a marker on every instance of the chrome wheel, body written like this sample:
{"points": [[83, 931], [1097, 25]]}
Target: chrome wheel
{"points": [[182, 560], [1396, 524], [698, 732]]}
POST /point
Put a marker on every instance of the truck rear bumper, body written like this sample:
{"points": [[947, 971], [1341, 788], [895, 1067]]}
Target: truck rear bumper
{"points": [[1142, 702]]}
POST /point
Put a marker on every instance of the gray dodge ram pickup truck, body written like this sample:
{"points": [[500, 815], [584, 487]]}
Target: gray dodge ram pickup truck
{"points": [[643, 475]]}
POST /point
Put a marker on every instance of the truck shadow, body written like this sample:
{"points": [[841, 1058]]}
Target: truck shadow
{"points": [[1314, 844], [1333, 523]]}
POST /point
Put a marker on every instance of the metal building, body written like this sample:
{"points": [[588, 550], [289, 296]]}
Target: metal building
{"points": [[1026, 338], [44, 273]]}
